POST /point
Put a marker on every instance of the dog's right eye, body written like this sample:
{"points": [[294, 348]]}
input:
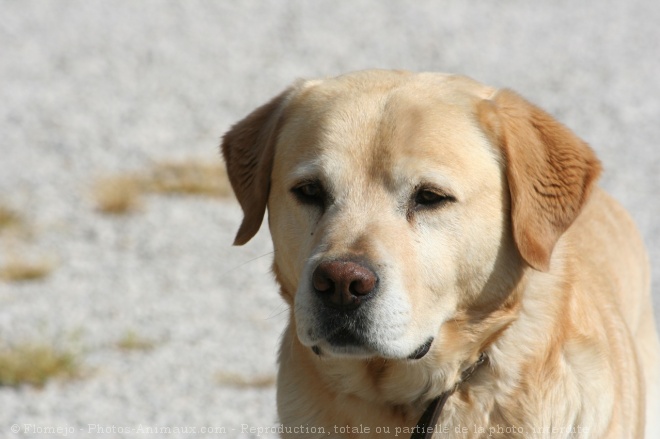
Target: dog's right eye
{"points": [[310, 192]]}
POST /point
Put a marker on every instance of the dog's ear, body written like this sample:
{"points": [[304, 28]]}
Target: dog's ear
{"points": [[248, 149], [550, 172]]}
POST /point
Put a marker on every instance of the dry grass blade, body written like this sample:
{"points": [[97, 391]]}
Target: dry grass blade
{"points": [[121, 194], [192, 177], [237, 380], [9, 218], [18, 270], [133, 342], [117, 195], [35, 365]]}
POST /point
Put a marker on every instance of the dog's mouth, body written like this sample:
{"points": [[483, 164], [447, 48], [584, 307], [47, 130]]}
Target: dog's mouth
{"points": [[344, 342], [347, 342], [344, 337], [422, 350]]}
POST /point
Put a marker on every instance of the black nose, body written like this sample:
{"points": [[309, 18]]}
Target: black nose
{"points": [[343, 284]]}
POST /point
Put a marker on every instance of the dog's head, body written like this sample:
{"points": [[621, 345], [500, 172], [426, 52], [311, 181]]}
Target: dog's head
{"points": [[399, 203]]}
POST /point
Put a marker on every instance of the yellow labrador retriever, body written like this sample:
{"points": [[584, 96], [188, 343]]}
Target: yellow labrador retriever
{"points": [[451, 267]]}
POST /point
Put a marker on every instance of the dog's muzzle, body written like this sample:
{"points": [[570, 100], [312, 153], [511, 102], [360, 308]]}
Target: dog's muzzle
{"points": [[343, 289]]}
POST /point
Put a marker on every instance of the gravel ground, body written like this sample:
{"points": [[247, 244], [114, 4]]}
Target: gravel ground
{"points": [[91, 88]]}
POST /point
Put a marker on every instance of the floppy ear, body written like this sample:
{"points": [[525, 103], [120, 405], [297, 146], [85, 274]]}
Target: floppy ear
{"points": [[248, 149], [550, 172]]}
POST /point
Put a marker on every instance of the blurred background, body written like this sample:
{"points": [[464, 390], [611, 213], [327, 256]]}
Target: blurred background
{"points": [[122, 303]]}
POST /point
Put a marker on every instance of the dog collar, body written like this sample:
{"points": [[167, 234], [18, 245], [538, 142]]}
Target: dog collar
{"points": [[427, 422]]}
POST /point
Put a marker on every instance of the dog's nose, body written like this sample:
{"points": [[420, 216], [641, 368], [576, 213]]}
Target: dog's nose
{"points": [[343, 284]]}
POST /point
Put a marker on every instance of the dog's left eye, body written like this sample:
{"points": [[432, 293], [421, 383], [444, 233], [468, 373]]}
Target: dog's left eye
{"points": [[309, 193], [430, 198]]}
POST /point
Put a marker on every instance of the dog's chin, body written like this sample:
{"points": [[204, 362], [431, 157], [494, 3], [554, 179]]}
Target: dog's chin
{"points": [[349, 345]]}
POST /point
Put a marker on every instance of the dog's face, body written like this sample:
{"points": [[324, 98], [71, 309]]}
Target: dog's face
{"points": [[390, 206], [376, 199]]}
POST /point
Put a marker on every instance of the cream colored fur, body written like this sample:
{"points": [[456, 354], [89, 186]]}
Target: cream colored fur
{"points": [[527, 261]]}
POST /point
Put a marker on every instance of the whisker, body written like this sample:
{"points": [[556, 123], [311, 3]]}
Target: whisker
{"points": [[247, 262], [279, 313]]}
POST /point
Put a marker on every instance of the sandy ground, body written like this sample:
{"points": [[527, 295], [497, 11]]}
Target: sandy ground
{"points": [[91, 88]]}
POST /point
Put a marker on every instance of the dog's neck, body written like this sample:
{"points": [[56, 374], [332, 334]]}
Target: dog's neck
{"points": [[407, 387], [427, 423], [403, 383], [392, 392]]}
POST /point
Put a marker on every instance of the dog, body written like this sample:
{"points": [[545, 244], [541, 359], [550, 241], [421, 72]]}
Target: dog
{"points": [[427, 227]]}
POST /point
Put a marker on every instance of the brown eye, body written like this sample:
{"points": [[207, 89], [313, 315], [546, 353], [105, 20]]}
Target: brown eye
{"points": [[431, 198], [309, 193]]}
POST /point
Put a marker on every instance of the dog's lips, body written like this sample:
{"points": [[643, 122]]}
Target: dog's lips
{"points": [[422, 350], [344, 337], [346, 342]]}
